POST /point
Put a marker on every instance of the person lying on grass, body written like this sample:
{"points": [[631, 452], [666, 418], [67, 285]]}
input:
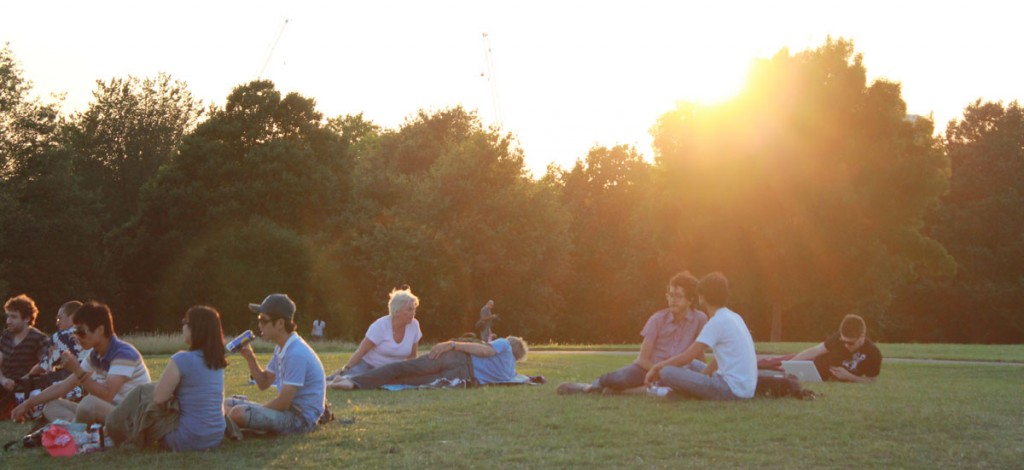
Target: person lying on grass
{"points": [[392, 338], [667, 333], [483, 363], [847, 355], [111, 370], [732, 374]]}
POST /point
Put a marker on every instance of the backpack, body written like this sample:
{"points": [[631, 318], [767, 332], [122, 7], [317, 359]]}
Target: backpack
{"points": [[780, 385]]}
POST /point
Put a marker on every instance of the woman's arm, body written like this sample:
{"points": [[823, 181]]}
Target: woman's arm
{"points": [[364, 347], [168, 383]]}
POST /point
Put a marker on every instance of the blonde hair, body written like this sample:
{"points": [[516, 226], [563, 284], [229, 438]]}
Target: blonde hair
{"points": [[399, 298], [519, 347]]}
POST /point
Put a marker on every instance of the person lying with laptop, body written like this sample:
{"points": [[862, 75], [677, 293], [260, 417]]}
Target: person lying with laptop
{"points": [[846, 356]]}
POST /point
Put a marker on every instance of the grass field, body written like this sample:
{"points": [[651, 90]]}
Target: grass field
{"points": [[919, 415], [166, 344]]}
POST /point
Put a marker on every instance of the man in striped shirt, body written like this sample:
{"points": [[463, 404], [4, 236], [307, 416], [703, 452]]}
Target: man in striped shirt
{"points": [[21, 346], [112, 369]]}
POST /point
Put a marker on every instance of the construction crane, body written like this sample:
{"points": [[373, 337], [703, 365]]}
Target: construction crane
{"points": [[273, 47], [491, 79]]}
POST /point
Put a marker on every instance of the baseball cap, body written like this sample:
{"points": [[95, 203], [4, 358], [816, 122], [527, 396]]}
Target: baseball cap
{"points": [[276, 305]]}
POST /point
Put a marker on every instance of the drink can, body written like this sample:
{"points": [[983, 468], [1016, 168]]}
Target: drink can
{"points": [[241, 340]]}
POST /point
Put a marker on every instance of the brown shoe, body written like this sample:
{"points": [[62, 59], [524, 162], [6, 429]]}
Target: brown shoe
{"points": [[572, 388]]}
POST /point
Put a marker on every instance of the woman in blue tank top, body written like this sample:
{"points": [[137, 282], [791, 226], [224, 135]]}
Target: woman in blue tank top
{"points": [[196, 378]]}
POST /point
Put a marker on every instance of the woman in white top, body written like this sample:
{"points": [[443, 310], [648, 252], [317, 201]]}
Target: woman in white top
{"points": [[392, 338]]}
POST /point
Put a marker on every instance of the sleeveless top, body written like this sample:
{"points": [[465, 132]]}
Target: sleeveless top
{"points": [[201, 398]]}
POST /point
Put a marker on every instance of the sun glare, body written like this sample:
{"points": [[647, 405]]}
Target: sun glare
{"points": [[717, 81]]}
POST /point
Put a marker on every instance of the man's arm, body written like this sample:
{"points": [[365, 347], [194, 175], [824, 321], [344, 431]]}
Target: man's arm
{"points": [[264, 379], [810, 353], [693, 352], [57, 390], [283, 400], [711, 368], [5, 382], [646, 351], [475, 349], [105, 391]]}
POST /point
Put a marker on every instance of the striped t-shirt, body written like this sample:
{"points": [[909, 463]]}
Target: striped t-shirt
{"points": [[20, 358], [121, 359]]}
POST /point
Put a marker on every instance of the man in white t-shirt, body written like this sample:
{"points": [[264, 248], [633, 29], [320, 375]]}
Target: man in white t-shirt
{"points": [[318, 329], [732, 374]]}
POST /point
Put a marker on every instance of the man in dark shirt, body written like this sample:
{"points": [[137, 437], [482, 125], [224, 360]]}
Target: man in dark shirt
{"points": [[846, 356], [21, 346]]}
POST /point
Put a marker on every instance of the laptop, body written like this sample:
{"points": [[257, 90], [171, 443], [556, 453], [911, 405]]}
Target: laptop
{"points": [[803, 370]]}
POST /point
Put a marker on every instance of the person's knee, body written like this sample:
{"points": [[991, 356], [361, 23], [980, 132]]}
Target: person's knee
{"points": [[55, 410], [238, 415], [91, 409]]}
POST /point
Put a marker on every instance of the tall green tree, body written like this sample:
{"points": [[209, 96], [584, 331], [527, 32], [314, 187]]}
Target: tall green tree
{"points": [[604, 193], [447, 206], [981, 223], [129, 130], [243, 201], [808, 191], [50, 239]]}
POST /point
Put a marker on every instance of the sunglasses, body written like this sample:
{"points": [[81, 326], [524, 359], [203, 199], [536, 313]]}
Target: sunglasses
{"points": [[674, 295], [263, 320], [849, 342], [81, 331]]}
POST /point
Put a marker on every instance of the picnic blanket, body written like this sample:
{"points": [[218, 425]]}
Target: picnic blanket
{"points": [[444, 383]]}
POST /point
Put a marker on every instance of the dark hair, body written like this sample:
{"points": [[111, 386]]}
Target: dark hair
{"points": [[715, 289], [207, 335], [25, 306], [289, 325], [94, 315], [853, 326], [688, 283]]}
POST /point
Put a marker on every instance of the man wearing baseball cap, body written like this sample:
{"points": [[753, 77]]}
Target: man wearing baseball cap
{"points": [[294, 369]]}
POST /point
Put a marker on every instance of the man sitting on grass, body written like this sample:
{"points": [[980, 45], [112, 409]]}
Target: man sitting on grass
{"points": [[847, 355], [294, 369], [732, 374], [111, 370], [667, 333], [22, 347], [494, 362]]}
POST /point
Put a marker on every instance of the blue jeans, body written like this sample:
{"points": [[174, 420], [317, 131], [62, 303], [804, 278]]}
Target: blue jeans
{"points": [[419, 371], [690, 381], [361, 368], [622, 379]]}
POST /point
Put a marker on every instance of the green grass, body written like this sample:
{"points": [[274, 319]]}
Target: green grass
{"points": [[916, 416], [163, 343]]}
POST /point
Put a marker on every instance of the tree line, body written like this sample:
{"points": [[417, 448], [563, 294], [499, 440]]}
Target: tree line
{"points": [[813, 191]]}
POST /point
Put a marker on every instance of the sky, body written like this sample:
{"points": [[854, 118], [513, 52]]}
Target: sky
{"points": [[567, 75]]}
